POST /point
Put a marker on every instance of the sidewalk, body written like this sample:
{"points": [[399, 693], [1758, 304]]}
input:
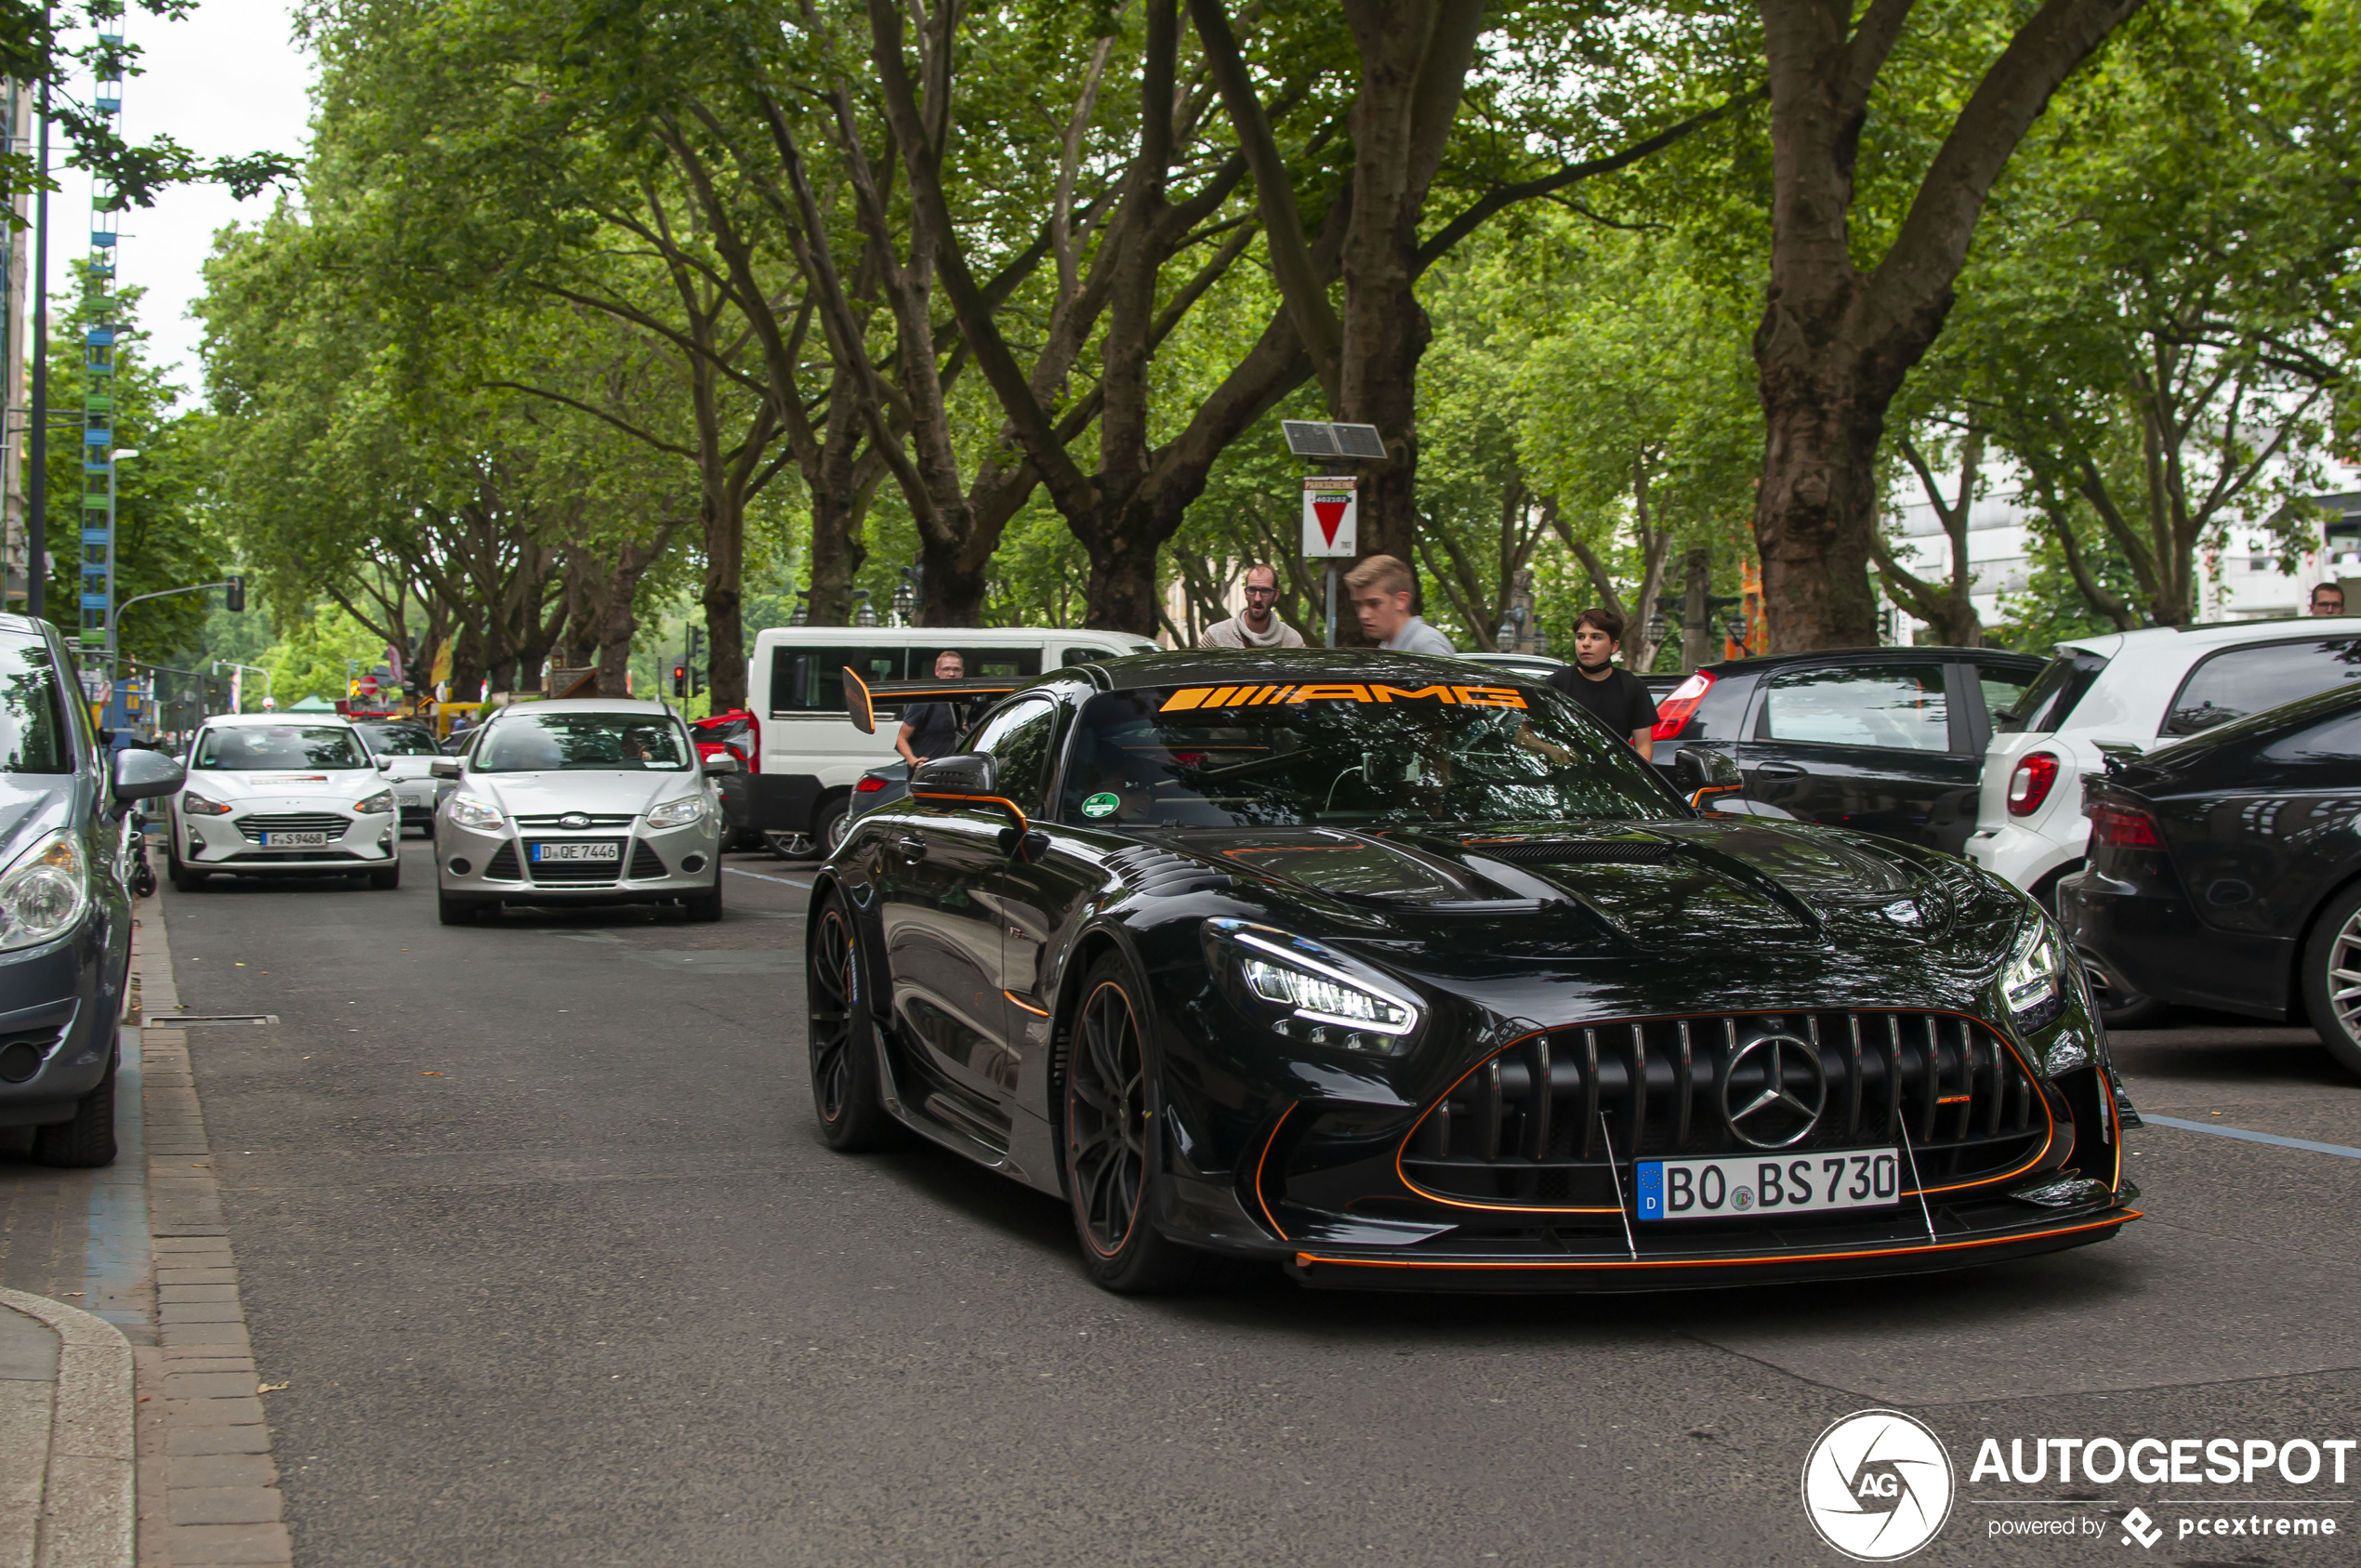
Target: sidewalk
{"points": [[66, 1482]]}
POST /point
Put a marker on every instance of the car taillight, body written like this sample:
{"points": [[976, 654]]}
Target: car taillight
{"points": [[2122, 827], [2029, 785], [1674, 713], [868, 787]]}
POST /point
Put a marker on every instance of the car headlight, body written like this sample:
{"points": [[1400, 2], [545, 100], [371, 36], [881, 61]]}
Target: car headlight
{"points": [[2034, 982], [1326, 1000], [469, 812], [677, 813], [197, 805], [43, 891], [378, 804]]}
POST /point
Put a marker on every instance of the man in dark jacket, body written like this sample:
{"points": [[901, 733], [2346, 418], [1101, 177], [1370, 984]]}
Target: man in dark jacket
{"points": [[933, 729]]}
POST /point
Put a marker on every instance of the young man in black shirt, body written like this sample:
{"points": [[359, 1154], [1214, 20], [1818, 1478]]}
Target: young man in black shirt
{"points": [[1614, 697]]}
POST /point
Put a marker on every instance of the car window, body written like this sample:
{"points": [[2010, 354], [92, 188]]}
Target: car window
{"points": [[32, 719], [267, 747], [544, 743], [811, 679], [2052, 695], [400, 741], [2338, 738], [1890, 707], [2238, 681], [994, 663], [1085, 655], [1359, 755], [1019, 738], [2003, 689]]}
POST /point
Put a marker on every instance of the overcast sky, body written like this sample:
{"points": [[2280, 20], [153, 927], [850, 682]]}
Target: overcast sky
{"points": [[227, 80]]}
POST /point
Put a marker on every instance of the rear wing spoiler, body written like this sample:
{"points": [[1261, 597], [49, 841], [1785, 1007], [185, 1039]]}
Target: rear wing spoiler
{"points": [[861, 699]]}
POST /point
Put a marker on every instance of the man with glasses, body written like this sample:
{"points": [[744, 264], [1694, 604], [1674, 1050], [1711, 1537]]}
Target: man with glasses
{"points": [[2328, 598], [931, 730], [1257, 625]]}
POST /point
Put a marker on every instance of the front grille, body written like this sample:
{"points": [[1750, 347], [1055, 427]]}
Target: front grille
{"points": [[255, 824], [1665, 1086], [605, 820], [646, 864], [1580, 851], [502, 866], [577, 873], [267, 857]]}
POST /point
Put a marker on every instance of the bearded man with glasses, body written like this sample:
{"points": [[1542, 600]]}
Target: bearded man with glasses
{"points": [[1257, 625]]}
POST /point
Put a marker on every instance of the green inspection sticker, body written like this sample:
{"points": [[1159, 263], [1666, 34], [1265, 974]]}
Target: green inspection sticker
{"points": [[1100, 806]]}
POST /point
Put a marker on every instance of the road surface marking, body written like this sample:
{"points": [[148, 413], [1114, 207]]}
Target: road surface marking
{"points": [[2154, 1120]]}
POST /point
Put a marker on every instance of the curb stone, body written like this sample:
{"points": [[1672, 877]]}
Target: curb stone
{"points": [[209, 1491], [88, 1502]]}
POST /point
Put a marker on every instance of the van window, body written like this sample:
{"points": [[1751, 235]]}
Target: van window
{"points": [[1086, 655], [811, 680], [991, 663]]}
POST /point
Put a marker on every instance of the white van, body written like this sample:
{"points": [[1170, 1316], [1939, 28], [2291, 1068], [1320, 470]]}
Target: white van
{"points": [[810, 754]]}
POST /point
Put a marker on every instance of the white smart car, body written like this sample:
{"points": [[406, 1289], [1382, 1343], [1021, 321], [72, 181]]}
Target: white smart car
{"points": [[2133, 692], [283, 794]]}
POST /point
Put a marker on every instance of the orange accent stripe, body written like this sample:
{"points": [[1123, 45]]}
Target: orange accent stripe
{"points": [[1038, 1013], [1306, 1259], [1261, 1201], [1024, 823], [1187, 697]]}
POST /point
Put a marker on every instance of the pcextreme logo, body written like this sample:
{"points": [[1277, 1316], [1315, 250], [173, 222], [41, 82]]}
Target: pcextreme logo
{"points": [[1878, 1485]]}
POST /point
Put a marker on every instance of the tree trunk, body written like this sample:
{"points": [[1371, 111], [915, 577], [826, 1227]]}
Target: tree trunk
{"points": [[1816, 515]]}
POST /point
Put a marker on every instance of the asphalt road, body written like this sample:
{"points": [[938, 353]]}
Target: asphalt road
{"points": [[532, 1224]]}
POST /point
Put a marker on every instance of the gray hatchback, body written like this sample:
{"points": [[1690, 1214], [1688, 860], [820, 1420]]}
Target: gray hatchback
{"points": [[65, 899]]}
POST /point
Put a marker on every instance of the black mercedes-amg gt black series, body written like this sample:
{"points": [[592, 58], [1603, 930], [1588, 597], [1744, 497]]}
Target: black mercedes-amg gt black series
{"points": [[1407, 973]]}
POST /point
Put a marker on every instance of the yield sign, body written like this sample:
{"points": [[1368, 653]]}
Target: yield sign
{"points": [[1331, 517]]}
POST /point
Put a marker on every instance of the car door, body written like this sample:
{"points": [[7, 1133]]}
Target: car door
{"points": [[941, 910], [1879, 746]]}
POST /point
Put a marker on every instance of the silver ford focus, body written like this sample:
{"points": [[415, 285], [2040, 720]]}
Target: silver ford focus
{"points": [[594, 801]]}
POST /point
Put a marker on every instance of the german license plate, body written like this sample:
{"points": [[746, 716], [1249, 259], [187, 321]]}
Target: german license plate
{"points": [[296, 840], [545, 853], [1753, 1185]]}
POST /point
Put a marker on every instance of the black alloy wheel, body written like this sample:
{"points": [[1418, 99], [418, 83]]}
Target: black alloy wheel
{"points": [[2332, 978], [1111, 1138], [845, 1088]]}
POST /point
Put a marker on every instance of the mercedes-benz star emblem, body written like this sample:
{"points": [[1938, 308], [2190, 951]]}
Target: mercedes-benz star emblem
{"points": [[1774, 1091], [574, 820]]}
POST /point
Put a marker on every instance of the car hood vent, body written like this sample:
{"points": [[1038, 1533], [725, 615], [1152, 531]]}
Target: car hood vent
{"points": [[1576, 851], [1148, 870]]}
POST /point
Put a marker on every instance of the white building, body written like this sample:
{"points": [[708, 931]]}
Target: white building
{"points": [[2244, 583]]}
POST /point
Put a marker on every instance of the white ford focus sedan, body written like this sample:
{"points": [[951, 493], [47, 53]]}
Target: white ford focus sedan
{"points": [[598, 801], [283, 794]]}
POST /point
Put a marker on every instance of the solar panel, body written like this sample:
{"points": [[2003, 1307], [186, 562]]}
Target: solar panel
{"points": [[1308, 438], [1359, 441]]}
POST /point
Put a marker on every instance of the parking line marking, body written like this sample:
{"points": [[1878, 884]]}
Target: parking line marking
{"points": [[2221, 1131], [765, 877]]}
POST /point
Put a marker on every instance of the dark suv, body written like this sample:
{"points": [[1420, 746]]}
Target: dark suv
{"points": [[1883, 740], [65, 902]]}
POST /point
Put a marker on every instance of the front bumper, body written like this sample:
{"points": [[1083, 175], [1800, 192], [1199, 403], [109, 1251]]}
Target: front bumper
{"points": [[654, 863], [63, 1000], [207, 843]]}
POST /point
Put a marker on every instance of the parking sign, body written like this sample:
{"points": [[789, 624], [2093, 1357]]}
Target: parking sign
{"points": [[1331, 517]]}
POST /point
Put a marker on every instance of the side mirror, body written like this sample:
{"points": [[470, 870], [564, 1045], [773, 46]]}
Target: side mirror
{"points": [[383, 764], [969, 772], [723, 764], [443, 770], [143, 775], [1701, 774]]}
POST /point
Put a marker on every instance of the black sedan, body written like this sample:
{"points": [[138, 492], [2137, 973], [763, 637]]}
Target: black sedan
{"points": [[1886, 740], [65, 902], [1348, 961], [2225, 871]]}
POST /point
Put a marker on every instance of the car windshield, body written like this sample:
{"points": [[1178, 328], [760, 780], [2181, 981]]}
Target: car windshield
{"points": [[32, 719], [546, 743], [397, 740], [1352, 753], [263, 747]]}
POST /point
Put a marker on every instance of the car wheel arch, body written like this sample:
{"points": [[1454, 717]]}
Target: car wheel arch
{"points": [[2297, 1010]]}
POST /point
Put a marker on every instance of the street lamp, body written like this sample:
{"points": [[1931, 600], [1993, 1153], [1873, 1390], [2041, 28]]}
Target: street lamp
{"points": [[905, 597], [864, 613]]}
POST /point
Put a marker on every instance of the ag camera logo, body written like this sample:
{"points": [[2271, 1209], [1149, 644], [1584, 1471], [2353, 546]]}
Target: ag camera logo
{"points": [[1878, 1485]]}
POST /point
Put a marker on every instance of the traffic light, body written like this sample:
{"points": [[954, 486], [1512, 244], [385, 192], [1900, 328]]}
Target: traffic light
{"points": [[235, 596], [679, 681]]}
